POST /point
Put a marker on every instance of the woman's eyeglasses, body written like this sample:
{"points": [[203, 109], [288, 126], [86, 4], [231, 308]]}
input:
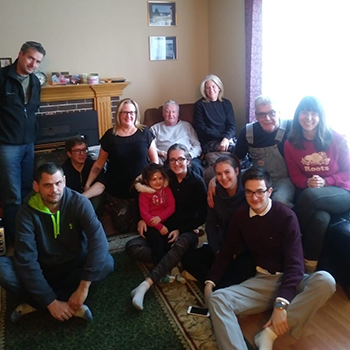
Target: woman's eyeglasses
{"points": [[132, 113], [258, 193], [179, 160]]}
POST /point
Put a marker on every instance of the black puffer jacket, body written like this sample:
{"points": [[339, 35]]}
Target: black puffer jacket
{"points": [[17, 119]]}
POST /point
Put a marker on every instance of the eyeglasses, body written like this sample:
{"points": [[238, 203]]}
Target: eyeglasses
{"points": [[179, 160], [79, 151], [132, 113], [258, 193], [271, 114]]}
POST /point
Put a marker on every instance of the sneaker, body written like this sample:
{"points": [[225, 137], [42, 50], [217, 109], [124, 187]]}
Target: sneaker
{"points": [[16, 315], [84, 313]]}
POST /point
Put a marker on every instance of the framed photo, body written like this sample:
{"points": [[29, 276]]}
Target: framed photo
{"points": [[162, 48], [5, 62], [161, 13]]}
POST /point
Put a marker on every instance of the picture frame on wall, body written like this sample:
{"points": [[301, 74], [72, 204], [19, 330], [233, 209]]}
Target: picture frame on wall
{"points": [[4, 62], [161, 13], [162, 48]]}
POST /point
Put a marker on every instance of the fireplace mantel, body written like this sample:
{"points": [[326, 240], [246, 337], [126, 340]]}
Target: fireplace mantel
{"points": [[101, 93]]}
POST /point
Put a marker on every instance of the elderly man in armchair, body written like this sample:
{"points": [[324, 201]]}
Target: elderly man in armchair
{"points": [[172, 130]]}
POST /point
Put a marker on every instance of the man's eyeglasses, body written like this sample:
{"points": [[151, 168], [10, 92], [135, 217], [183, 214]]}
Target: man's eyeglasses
{"points": [[132, 113], [271, 114], [79, 151], [258, 193], [179, 160]]}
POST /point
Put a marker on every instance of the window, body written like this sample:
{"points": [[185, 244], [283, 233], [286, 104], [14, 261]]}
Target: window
{"points": [[306, 51]]}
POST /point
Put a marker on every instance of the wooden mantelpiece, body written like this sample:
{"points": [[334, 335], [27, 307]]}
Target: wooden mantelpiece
{"points": [[101, 94]]}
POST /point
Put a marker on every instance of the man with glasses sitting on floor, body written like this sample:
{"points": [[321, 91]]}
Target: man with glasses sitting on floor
{"points": [[77, 169], [270, 231]]}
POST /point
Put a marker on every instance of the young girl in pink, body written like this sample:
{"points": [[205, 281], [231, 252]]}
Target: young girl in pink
{"points": [[157, 204]]}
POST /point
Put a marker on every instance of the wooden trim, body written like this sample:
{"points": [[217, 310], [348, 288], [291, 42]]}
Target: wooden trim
{"points": [[101, 93]]}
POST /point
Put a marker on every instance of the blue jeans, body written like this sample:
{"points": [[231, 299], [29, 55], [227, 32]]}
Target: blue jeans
{"points": [[16, 180]]}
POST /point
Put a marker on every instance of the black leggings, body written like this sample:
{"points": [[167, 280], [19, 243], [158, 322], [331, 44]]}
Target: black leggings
{"points": [[139, 249]]}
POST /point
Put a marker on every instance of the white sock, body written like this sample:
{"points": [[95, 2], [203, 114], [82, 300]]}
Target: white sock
{"points": [[264, 340], [138, 294]]}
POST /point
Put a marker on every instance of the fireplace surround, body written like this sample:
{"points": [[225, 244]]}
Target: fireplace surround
{"points": [[102, 98]]}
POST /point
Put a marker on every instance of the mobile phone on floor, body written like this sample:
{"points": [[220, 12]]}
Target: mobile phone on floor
{"points": [[198, 311]]}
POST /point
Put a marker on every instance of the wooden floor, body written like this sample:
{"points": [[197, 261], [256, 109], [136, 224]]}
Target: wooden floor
{"points": [[329, 329]]}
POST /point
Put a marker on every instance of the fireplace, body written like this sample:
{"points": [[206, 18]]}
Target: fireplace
{"points": [[71, 110], [102, 98], [55, 130]]}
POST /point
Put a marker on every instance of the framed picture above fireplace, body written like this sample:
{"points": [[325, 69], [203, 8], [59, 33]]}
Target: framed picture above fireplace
{"points": [[162, 48], [5, 62], [161, 13]]}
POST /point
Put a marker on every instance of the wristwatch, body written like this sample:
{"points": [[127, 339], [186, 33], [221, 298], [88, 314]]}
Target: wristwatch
{"points": [[281, 305]]}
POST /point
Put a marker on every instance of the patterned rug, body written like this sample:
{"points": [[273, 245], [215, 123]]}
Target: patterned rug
{"points": [[175, 298]]}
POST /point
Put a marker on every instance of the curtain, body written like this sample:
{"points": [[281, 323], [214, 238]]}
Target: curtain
{"points": [[253, 43]]}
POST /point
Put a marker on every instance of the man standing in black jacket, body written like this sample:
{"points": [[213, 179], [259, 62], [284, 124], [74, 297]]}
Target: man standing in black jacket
{"points": [[19, 101]]}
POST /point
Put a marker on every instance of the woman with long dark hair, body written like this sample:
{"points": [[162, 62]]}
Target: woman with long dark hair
{"points": [[190, 195], [318, 162]]}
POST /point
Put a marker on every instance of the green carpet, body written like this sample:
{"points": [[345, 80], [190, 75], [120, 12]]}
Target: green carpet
{"points": [[162, 325], [116, 325]]}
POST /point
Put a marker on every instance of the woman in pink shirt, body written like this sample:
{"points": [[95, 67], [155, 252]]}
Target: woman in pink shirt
{"points": [[318, 162]]}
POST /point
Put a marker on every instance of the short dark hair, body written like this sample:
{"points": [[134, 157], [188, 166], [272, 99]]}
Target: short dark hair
{"points": [[33, 45], [73, 141], [48, 168], [255, 173]]}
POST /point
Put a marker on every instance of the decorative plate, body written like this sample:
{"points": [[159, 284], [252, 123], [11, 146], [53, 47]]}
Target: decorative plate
{"points": [[42, 77]]}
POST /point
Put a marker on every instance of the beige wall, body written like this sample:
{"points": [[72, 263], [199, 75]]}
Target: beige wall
{"points": [[111, 37], [227, 51]]}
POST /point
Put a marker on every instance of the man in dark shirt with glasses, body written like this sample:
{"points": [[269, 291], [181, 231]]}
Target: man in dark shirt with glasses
{"points": [[77, 169]]}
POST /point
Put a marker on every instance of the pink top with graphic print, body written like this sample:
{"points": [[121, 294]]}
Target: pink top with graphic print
{"points": [[333, 164], [160, 203]]}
